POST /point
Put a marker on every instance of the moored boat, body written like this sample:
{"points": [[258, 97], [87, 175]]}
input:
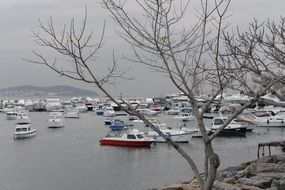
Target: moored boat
{"points": [[232, 129], [176, 135], [267, 119], [11, 115], [56, 120], [132, 138], [118, 124], [71, 113], [24, 131]]}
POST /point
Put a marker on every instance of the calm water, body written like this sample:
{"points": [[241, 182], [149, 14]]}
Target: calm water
{"points": [[71, 158]]}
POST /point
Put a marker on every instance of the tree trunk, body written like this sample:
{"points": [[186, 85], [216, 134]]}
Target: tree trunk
{"points": [[214, 163]]}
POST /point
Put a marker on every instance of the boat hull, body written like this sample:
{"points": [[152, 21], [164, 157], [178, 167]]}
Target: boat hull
{"points": [[237, 132], [55, 124], [125, 143], [22, 135], [179, 138]]}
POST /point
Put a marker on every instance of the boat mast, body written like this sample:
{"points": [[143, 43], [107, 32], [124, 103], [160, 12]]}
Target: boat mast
{"points": [[6, 92]]}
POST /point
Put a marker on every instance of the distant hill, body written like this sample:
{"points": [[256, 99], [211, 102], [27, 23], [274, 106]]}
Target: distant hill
{"points": [[61, 90]]}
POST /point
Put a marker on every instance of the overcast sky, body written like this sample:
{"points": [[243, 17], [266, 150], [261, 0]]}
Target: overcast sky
{"points": [[19, 17]]}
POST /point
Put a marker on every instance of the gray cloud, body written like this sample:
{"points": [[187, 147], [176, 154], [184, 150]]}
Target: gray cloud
{"points": [[17, 18]]}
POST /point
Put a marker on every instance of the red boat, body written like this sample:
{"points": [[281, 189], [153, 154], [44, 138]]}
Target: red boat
{"points": [[133, 138]]}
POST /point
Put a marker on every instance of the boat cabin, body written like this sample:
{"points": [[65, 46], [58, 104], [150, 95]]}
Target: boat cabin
{"points": [[135, 136], [23, 128]]}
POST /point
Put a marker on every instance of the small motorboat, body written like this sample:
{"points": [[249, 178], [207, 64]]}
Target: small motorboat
{"points": [[109, 112], [117, 124], [99, 110], [56, 120], [232, 129], [81, 107], [24, 131], [11, 115], [176, 135], [132, 138], [267, 119]]}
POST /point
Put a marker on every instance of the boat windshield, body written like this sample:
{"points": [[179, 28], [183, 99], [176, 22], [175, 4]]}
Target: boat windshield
{"points": [[21, 129], [130, 136], [140, 136], [218, 122]]}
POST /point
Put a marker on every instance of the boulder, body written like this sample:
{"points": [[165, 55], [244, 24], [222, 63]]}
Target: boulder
{"points": [[225, 186], [273, 175], [265, 159], [257, 181], [263, 167], [279, 158]]}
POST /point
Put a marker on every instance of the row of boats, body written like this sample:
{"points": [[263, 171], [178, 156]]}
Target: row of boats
{"points": [[247, 121], [269, 116]]}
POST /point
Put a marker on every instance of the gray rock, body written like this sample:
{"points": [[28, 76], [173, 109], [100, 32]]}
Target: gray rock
{"points": [[275, 185], [273, 175], [264, 167], [226, 174], [262, 182], [265, 159], [282, 184], [278, 158]]}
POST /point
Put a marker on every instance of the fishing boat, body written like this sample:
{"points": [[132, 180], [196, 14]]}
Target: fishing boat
{"points": [[132, 138], [24, 131]]}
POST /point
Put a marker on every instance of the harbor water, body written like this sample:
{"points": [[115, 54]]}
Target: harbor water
{"points": [[71, 158]]}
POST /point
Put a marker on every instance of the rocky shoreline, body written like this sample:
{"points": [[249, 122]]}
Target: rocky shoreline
{"points": [[265, 173]]}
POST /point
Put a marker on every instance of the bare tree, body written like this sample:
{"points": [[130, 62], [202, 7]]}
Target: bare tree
{"points": [[258, 52], [192, 58]]}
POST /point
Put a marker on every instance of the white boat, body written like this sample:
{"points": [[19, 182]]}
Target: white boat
{"points": [[71, 113], [109, 112], [193, 128], [11, 115], [28, 105], [155, 121], [146, 111], [183, 116], [55, 120], [266, 119], [273, 99], [53, 104], [176, 135], [67, 104], [24, 131], [98, 109], [81, 107], [23, 117], [173, 111], [232, 129]]}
